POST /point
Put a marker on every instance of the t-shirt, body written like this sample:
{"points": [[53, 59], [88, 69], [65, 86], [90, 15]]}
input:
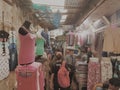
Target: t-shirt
{"points": [[55, 67], [39, 46]]}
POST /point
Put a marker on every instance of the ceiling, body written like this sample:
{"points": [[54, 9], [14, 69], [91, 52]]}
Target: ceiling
{"points": [[106, 9], [77, 10], [100, 16]]}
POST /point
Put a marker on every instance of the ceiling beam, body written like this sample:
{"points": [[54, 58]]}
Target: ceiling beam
{"points": [[91, 7]]}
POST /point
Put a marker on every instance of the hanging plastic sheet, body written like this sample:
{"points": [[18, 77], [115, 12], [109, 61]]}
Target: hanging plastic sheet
{"points": [[56, 19], [41, 7]]}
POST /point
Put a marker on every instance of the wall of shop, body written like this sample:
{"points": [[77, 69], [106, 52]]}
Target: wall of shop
{"points": [[10, 11]]}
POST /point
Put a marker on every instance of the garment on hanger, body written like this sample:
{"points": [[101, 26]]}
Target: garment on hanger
{"points": [[47, 38], [70, 38], [111, 40], [40, 46], [13, 62], [4, 62], [116, 73]]}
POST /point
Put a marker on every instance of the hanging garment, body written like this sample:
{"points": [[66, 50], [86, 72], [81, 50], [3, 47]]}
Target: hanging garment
{"points": [[108, 40], [116, 37], [117, 70], [89, 39], [27, 49], [106, 69], [70, 39], [111, 40], [113, 61], [46, 37], [93, 74], [76, 40], [13, 62], [4, 66], [39, 46], [81, 41], [28, 77]]}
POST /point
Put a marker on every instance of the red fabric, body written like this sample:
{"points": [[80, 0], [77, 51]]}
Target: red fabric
{"points": [[93, 74], [41, 80], [63, 76], [26, 51], [27, 77]]}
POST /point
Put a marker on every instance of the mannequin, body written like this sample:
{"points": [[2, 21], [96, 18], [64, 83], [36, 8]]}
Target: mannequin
{"points": [[22, 30], [27, 44]]}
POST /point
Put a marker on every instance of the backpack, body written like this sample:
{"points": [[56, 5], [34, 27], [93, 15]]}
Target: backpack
{"points": [[63, 76]]}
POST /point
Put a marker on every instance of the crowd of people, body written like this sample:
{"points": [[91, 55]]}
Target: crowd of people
{"points": [[53, 61]]}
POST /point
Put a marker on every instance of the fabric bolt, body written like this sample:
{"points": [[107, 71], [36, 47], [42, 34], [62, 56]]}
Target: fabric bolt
{"points": [[81, 72], [39, 46], [106, 69], [93, 74], [27, 49]]}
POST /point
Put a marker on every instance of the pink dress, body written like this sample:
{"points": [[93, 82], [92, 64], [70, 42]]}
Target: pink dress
{"points": [[26, 51]]}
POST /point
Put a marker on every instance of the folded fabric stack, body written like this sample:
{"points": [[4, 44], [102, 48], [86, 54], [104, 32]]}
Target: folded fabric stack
{"points": [[81, 71]]}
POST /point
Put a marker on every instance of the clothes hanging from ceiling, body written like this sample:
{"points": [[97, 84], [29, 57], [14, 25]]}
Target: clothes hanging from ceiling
{"points": [[111, 40], [70, 38], [4, 62], [40, 46], [13, 61]]}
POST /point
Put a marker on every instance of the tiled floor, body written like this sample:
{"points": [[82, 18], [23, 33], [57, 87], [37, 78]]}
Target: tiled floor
{"points": [[9, 82]]}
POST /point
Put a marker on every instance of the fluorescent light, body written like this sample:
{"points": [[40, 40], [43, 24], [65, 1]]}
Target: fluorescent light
{"points": [[37, 15], [50, 2], [64, 17], [60, 10], [62, 20]]}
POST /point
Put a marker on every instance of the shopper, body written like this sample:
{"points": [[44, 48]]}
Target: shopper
{"points": [[55, 67], [70, 61], [111, 84]]}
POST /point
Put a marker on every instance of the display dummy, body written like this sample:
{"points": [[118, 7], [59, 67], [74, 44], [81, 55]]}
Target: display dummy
{"points": [[29, 74], [27, 44]]}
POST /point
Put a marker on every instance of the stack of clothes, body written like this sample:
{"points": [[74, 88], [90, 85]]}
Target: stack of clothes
{"points": [[82, 73]]}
